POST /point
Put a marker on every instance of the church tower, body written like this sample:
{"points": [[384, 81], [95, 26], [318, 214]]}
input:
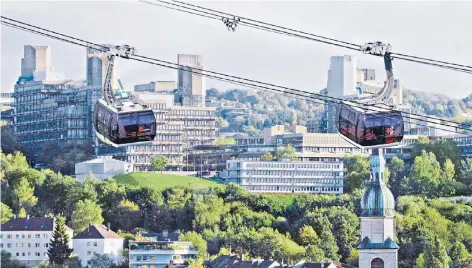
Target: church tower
{"points": [[377, 248]]}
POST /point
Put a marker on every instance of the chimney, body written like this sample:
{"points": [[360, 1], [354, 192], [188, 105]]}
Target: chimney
{"points": [[108, 226], [165, 233]]}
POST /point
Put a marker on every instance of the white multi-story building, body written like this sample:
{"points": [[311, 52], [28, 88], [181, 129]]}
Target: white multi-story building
{"points": [[101, 168], [27, 239], [287, 176], [98, 239]]}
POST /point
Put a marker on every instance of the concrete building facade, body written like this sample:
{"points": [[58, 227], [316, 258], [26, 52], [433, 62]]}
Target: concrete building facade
{"points": [[97, 62], [27, 239], [191, 89], [320, 177], [342, 81], [98, 239], [101, 168], [36, 59], [157, 86]]}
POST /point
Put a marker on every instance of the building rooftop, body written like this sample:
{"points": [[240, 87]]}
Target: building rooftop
{"points": [[97, 231], [30, 224]]}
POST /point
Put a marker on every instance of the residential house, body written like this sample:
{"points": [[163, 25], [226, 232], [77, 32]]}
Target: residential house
{"points": [[27, 239], [98, 239]]}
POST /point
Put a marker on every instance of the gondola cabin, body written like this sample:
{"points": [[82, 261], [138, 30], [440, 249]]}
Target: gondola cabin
{"points": [[369, 129], [121, 128]]}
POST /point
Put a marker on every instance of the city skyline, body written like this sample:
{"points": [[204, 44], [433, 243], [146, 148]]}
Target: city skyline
{"points": [[266, 57]]}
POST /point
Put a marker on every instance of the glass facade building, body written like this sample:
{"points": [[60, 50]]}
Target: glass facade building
{"points": [[57, 113]]}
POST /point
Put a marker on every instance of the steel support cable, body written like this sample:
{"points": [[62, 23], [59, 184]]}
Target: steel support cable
{"points": [[323, 97], [223, 14], [260, 22], [253, 25], [311, 98], [308, 97]]}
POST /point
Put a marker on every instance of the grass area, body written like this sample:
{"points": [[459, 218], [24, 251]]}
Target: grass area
{"points": [[285, 199], [161, 182]]}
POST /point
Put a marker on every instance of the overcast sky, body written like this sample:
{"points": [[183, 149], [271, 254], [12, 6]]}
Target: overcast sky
{"points": [[437, 30]]}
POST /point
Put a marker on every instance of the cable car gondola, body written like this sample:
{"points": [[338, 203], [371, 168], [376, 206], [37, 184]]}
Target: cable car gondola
{"points": [[121, 118], [131, 124], [363, 120], [369, 129]]}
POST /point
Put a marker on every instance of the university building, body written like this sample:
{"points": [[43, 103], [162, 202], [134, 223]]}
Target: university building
{"points": [[287, 176]]}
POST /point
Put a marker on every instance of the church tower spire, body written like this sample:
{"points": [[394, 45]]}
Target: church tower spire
{"points": [[377, 248]]}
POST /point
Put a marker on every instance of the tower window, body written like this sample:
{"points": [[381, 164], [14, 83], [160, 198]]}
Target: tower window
{"points": [[377, 263]]}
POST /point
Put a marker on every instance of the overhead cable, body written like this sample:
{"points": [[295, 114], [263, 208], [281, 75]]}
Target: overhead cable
{"points": [[219, 76]]}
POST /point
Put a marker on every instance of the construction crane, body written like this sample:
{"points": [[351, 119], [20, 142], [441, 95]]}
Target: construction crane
{"points": [[122, 120]]}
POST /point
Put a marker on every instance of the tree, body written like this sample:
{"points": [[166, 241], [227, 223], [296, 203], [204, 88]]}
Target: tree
{"points": [[128, 215], [9, 143], [6, 212], [358, 172], [198, 263], [159, 162], [8, 262], [239, 120], [225, 141], [397, 175], [267, 157], [85, 213], [59, 250], [286, 153], [435, 254], [423, 140], [458, 254], [448, 171], [100, 261], [197, 242], [425, 175], [25, 195]]}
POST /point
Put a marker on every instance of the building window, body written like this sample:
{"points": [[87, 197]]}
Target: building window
{"points": [[89, 244], [18, 254], [45, 235], [29, 245], [89, 253], [37, 245], [9, 245], [23, 254], [8, 236], [22, 236], [37, 254], [46, 245], [38, 235], [29, 236], [95, 244], [17, 236], [377, 263]]}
